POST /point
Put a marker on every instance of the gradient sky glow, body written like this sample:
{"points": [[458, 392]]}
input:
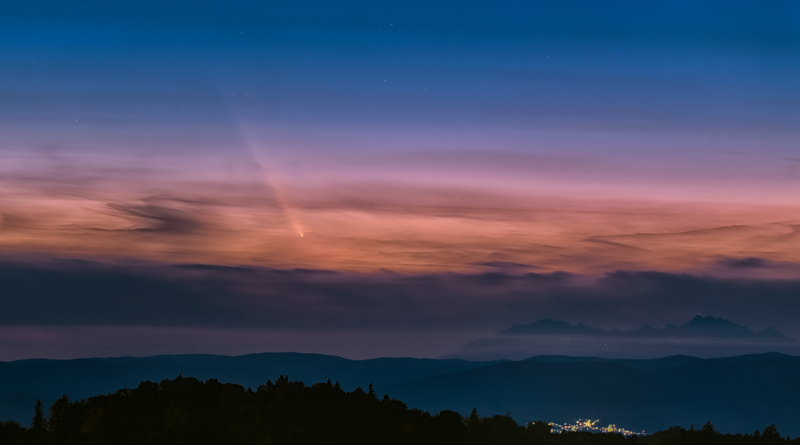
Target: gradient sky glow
{"points": [[414, 138]]}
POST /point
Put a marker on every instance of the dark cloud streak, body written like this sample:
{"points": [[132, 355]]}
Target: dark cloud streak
{"points": [[747, 263], [158, 218], [69, 293]]}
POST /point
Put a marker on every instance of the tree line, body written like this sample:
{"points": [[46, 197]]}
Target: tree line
{"points": [[188, 411]]}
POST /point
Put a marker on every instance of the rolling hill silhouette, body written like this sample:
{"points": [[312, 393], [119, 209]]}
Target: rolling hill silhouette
{"points": [[23, 381], [738, 394]]}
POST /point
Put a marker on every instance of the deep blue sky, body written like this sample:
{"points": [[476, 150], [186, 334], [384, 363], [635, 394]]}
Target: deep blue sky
{"points": [[726, 69]]}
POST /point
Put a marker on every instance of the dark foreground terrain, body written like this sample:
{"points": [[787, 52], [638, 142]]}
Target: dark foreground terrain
{"points": [[189, 411], [737, 394]]}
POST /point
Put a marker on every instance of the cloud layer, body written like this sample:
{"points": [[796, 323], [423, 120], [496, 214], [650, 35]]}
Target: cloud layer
{"points": [[364, 225], [80, 294]]}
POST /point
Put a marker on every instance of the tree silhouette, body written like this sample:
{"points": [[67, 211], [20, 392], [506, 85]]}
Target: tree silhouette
{"points": [[474, 419], [187, 411], [539, 428], [771, 433], [39, 422]]}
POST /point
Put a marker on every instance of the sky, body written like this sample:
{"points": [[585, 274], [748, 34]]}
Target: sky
{"points": [[391, 178]]}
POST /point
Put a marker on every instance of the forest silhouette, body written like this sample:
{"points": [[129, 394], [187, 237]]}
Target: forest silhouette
{"points": [[186, 410]]}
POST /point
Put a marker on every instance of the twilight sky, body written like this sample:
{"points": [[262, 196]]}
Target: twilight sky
{"points": [[387, 172]]}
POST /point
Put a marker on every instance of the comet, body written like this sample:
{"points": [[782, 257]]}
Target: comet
{"points": [[271, 183]]}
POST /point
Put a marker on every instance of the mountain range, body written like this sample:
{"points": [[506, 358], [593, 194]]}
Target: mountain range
{"points": [[701, 336], [696, 328]]}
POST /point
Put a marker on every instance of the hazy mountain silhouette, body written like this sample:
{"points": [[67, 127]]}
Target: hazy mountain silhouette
{"points": [[23, 381], [701, 336], [640, 365], [698, 327], [737, 394]]}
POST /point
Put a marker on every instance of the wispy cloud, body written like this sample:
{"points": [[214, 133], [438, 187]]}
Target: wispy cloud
{"points": [[158, 219], [375, 225]]}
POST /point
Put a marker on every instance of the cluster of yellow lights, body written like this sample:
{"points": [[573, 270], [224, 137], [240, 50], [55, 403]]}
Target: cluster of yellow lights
{"points": [[591, 426]]}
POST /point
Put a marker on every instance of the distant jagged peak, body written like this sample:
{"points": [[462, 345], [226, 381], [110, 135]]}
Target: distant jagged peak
{"points": [[721, 326], [548, 326], [709, 322], [771, 332], [697, 327]]}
